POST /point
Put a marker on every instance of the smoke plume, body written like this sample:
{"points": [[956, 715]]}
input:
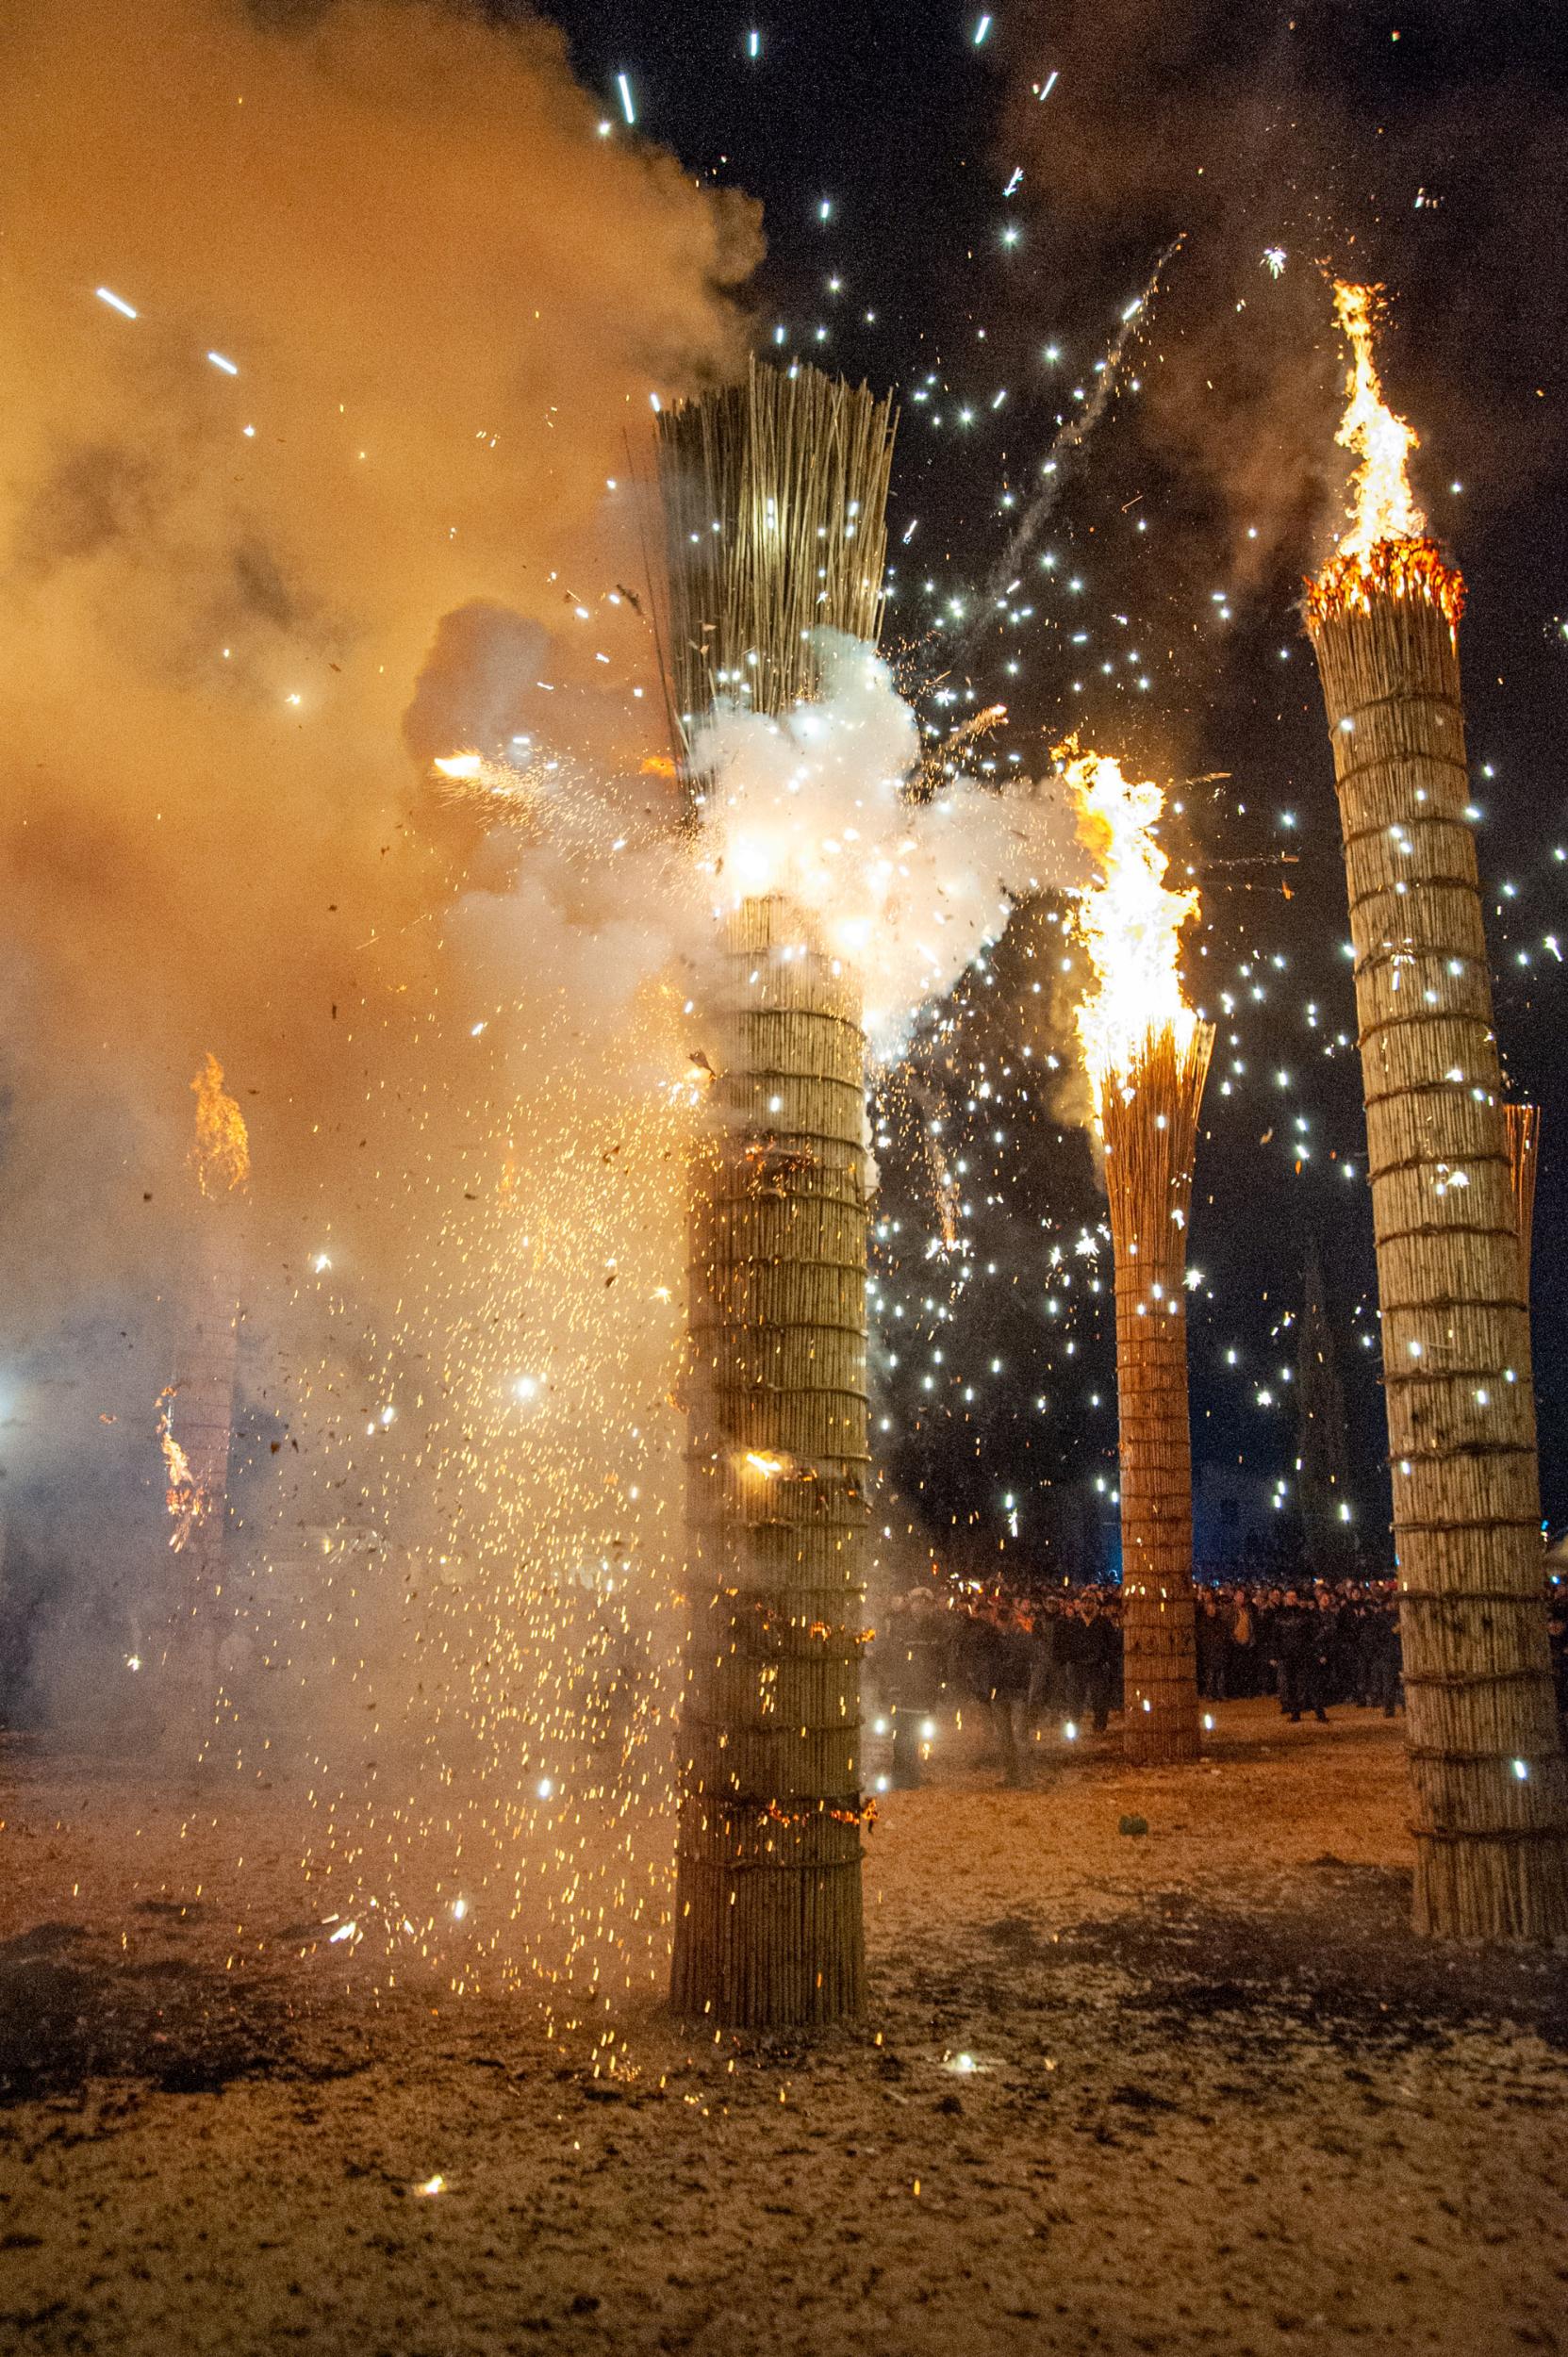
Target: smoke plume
{"points": [[1276, 140], [398, 305]]}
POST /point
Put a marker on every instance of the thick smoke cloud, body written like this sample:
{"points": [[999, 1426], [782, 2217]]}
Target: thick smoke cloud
{"points": [[444, 299], [815, 806]]}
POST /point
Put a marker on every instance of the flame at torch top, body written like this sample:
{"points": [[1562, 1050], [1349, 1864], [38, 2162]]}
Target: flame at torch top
{"points": [[1385, 548], [1129, 920], [1382, 506], [221, 1150]]}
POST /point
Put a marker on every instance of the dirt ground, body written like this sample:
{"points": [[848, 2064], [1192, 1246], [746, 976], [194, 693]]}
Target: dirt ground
{"points": [[1193, 2090]]}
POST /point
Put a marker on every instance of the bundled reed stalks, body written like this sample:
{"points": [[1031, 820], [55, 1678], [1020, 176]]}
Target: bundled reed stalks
{"points": [[767, 1928], [1490, 1799], [1148, 1120], [793, 471], [775, 505], [1524, 1144]]}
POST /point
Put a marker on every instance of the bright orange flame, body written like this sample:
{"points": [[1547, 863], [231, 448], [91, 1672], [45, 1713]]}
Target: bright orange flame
{"points": [[1385, 548], [183, 1494], [1128, 920], [221, 1152], [1382, 506]]}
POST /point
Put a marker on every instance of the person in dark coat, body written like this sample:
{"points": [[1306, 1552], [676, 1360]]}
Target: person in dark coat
{"points": [[1380, 1646], [1243, 1649], [1073, 1650], [1345, 1651], [911, 1656], [1557, 1637], [1093, 1659], [1047, 1678], [1293, 1646], [1214, 1645], [1326, 1653], [1009, 1665]]}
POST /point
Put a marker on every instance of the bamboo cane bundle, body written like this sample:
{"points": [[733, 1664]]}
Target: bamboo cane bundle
{"points": [[1148, 1120], [1524, 1145], [774, 496], [1490, 1799]]}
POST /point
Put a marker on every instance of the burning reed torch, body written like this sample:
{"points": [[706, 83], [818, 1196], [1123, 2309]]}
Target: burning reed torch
{"points": [[1147, 1053], [1490, 1798]]}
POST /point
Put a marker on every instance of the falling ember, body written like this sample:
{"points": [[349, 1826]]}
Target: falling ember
{"points": [[1386, 547], [183, 1494], [1128, 920], [221, 1150], [948, 1196]]}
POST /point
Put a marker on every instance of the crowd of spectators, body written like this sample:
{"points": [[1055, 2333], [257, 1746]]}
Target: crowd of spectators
{"points": [[1053, 1662]]}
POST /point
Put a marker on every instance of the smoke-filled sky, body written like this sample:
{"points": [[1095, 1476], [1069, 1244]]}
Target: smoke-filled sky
{"points": [[329, 392], [350, 485], [448, 275], [444, 298]]}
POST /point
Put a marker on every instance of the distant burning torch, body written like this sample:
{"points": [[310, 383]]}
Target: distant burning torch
{"points": [[1147, 1053]]}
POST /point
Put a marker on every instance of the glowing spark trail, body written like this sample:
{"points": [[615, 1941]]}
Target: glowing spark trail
{"points": [[1072, 436]]}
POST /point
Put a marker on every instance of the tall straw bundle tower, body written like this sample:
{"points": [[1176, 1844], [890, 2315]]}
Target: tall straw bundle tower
{"points": [[1491, 1797], [774, 496], [1147, 1053]]}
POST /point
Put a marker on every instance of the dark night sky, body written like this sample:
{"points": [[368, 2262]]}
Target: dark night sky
{"points": [[1423, 146]]}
